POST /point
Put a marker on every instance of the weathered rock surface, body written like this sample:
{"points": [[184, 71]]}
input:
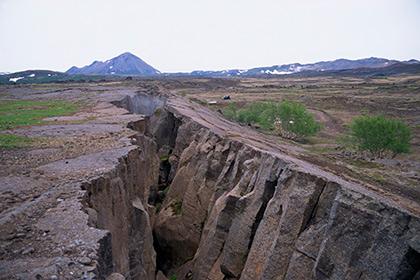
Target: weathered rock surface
{"points": [[249, 213], [193, 195]]}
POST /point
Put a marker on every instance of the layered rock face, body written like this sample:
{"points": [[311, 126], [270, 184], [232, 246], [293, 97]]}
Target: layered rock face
{"points": [[215, 207], [114, 202], [250, 215]]}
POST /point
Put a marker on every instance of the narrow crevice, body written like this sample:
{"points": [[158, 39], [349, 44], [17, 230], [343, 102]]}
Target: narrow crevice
{"points": [[313, 210], [158, 193], [269, 188], [163, 262], [157, 196], [306, 255], [165, 131]]}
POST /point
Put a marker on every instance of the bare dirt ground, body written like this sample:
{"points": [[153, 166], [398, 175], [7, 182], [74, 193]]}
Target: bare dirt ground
{"points": [[40, 184]]}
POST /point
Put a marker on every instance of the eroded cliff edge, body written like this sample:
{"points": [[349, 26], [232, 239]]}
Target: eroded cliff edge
{"points": [[222, 208]]}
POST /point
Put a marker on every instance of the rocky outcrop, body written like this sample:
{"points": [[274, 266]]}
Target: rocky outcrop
{"points": [[116, 201], [233, 211]]}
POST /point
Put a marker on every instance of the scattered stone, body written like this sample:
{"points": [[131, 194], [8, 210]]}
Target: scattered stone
{"points": [[78, 242], [17, 251], [90, 268], [69, 250], [115, 276], [27, 251], [57, 251], [89, 276], [84, 260], [93, 217], [92, 256]]}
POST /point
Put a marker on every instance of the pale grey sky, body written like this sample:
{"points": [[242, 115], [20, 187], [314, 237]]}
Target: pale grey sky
{"points": [[185, 35]]}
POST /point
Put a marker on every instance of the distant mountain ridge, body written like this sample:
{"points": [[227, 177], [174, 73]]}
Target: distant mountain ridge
{"points": [[128, 64], [294, 68], [125, 64]]}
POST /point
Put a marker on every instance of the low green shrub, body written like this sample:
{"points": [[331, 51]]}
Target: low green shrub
{"points": [[293, 117], [380, 135], [296, 119]]}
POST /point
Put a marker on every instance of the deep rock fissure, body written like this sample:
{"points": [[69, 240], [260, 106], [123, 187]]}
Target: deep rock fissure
{"points": [[410, 266], [179, 161]]}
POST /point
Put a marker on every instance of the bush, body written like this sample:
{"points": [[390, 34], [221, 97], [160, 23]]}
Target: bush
{"points": [[293, 117], [380, 135], [230, 111], [296, 119]]}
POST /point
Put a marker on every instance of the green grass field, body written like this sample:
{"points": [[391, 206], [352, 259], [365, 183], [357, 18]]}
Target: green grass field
{"points": [[15, 113], [11, 141]]}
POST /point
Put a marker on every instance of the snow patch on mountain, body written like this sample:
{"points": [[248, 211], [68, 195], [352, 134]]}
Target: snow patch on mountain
{"points": [[16, 79]]}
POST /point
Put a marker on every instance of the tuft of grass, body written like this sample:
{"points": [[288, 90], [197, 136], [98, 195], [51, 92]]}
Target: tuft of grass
{"points": [[377, 177], [321, 149], [165, 191], [364, 164], [158, 207], [11, 141], [177, 207], [164, 158], [158, 112], [15, 113], [199, 101]]}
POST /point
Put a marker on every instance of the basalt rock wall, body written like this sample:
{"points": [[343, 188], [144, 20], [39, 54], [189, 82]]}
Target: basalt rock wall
{"points": [[192, 203], [247, 214]]}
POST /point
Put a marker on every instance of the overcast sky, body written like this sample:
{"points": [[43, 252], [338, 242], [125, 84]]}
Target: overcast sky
{"points": [[185, 35]]}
